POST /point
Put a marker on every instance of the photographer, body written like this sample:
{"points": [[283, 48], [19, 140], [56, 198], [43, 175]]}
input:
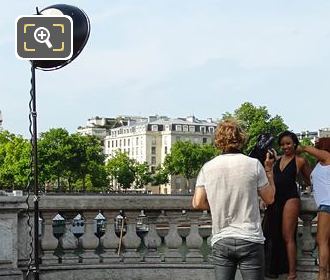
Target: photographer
{"points": [[229, 186]]}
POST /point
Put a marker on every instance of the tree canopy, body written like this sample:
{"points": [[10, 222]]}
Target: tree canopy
{"points": [[257, 120]]}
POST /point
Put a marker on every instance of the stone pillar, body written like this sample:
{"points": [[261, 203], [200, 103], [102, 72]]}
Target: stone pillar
{"points": [[89, 241], [69, 243], [131, 242], [173, 242], [194, 244], [152, 242], [48, 242], [110, 243]]}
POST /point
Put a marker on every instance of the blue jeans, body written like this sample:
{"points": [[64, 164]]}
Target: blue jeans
{"points": [[229, 253], [324, 208]]}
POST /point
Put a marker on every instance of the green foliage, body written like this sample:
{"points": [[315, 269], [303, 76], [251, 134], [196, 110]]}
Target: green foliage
{"points": [[14, 161], [310, 159], [257, 120], [160, 177], [186, 158], [142, 175], [121, 169]]}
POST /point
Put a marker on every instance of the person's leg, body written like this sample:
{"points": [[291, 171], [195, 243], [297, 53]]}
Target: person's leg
{"points": [[223, 258], [289, 225], [322, 238], [251, 260]]}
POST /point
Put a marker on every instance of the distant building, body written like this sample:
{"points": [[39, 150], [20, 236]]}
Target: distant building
{"points": [[312, 135], [150, 140], [324, 132], [100, 127]]}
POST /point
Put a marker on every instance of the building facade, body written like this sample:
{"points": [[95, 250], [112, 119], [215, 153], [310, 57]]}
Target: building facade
{"points": [[150, 140], [324, 132]]}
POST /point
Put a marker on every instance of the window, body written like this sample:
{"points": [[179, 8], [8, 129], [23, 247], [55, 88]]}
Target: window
{"points": [[204, 140], [128, 151], [153, 150], [185, 128], [191, 128], [112, 144], [116, 143], [153, 160], [154, 127], [203, 129], [153, 169], [108, 144], [165, 150], [120, 142], [211, 129], [128, 142], [124, 142], [178, 127], [153, 141], [137, 141]]}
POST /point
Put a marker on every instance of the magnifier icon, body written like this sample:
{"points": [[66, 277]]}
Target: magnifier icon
{"points": [[41, 35]]}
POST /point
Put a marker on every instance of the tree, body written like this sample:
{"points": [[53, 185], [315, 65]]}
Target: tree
{"points": [[160, 177], [187, 158], [54, 156], [87, 161], [257, 120], [142, 174], [71, 161], [14, 161], [310, 159], [121, 169]]}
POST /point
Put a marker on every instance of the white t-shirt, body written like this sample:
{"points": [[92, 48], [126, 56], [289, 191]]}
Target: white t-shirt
{"points": [[231, 182], [321, 184]]}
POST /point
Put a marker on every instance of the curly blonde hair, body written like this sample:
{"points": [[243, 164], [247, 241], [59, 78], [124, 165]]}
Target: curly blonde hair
{"points": [[229, 136]]}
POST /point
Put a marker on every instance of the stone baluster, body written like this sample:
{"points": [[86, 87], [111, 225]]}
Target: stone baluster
{"points": [[131, 242], [152, 241], [24, 239], [194, 243], [205, 231], [89, 241], [173, 242], [110, 242], [70, 244], [48, 242], [308, 241]]}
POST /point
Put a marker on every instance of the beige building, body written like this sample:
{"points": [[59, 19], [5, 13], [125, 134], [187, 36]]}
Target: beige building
{"points": [[150, 140], [324, 132]]}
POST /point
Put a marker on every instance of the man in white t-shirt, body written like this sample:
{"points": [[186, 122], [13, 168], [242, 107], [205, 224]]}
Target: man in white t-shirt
{"points": [[229, 186]]}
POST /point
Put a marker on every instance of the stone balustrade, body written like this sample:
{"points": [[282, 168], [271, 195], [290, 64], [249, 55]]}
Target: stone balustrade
{"points": [[121, 237]]}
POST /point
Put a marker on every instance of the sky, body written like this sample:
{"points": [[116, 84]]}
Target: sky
{"points": [[177, 58]]}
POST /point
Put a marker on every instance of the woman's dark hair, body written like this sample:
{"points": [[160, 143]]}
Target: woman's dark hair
{"points": [[288, 134]]}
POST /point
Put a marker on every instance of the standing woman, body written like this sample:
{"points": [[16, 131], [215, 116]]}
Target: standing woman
{"points": [[281, 217], [321, 186]]}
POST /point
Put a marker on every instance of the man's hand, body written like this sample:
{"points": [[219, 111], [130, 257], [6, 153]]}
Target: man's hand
{"points": [[269, 162]]}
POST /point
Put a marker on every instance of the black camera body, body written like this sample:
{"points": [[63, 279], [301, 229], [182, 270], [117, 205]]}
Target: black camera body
{"points": [[264, 144]]}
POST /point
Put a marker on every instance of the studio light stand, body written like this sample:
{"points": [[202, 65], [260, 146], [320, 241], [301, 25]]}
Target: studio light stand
{"points": [[81, 31]]}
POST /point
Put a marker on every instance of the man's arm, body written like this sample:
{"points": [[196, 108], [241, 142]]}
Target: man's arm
{"points": [[267, 193], [199, 200]]}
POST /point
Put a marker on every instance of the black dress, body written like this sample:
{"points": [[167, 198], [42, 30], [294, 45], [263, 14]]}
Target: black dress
{"points": [[286, 188]]}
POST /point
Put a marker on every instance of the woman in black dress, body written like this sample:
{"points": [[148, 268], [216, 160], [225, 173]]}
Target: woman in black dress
{"points": [[281, 217]]}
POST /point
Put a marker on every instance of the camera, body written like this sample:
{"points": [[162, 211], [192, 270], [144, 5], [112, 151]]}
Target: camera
{"points": [[262, 147]]}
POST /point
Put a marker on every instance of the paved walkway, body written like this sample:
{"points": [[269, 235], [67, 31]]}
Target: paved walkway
{"points": [[301, 276]]}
